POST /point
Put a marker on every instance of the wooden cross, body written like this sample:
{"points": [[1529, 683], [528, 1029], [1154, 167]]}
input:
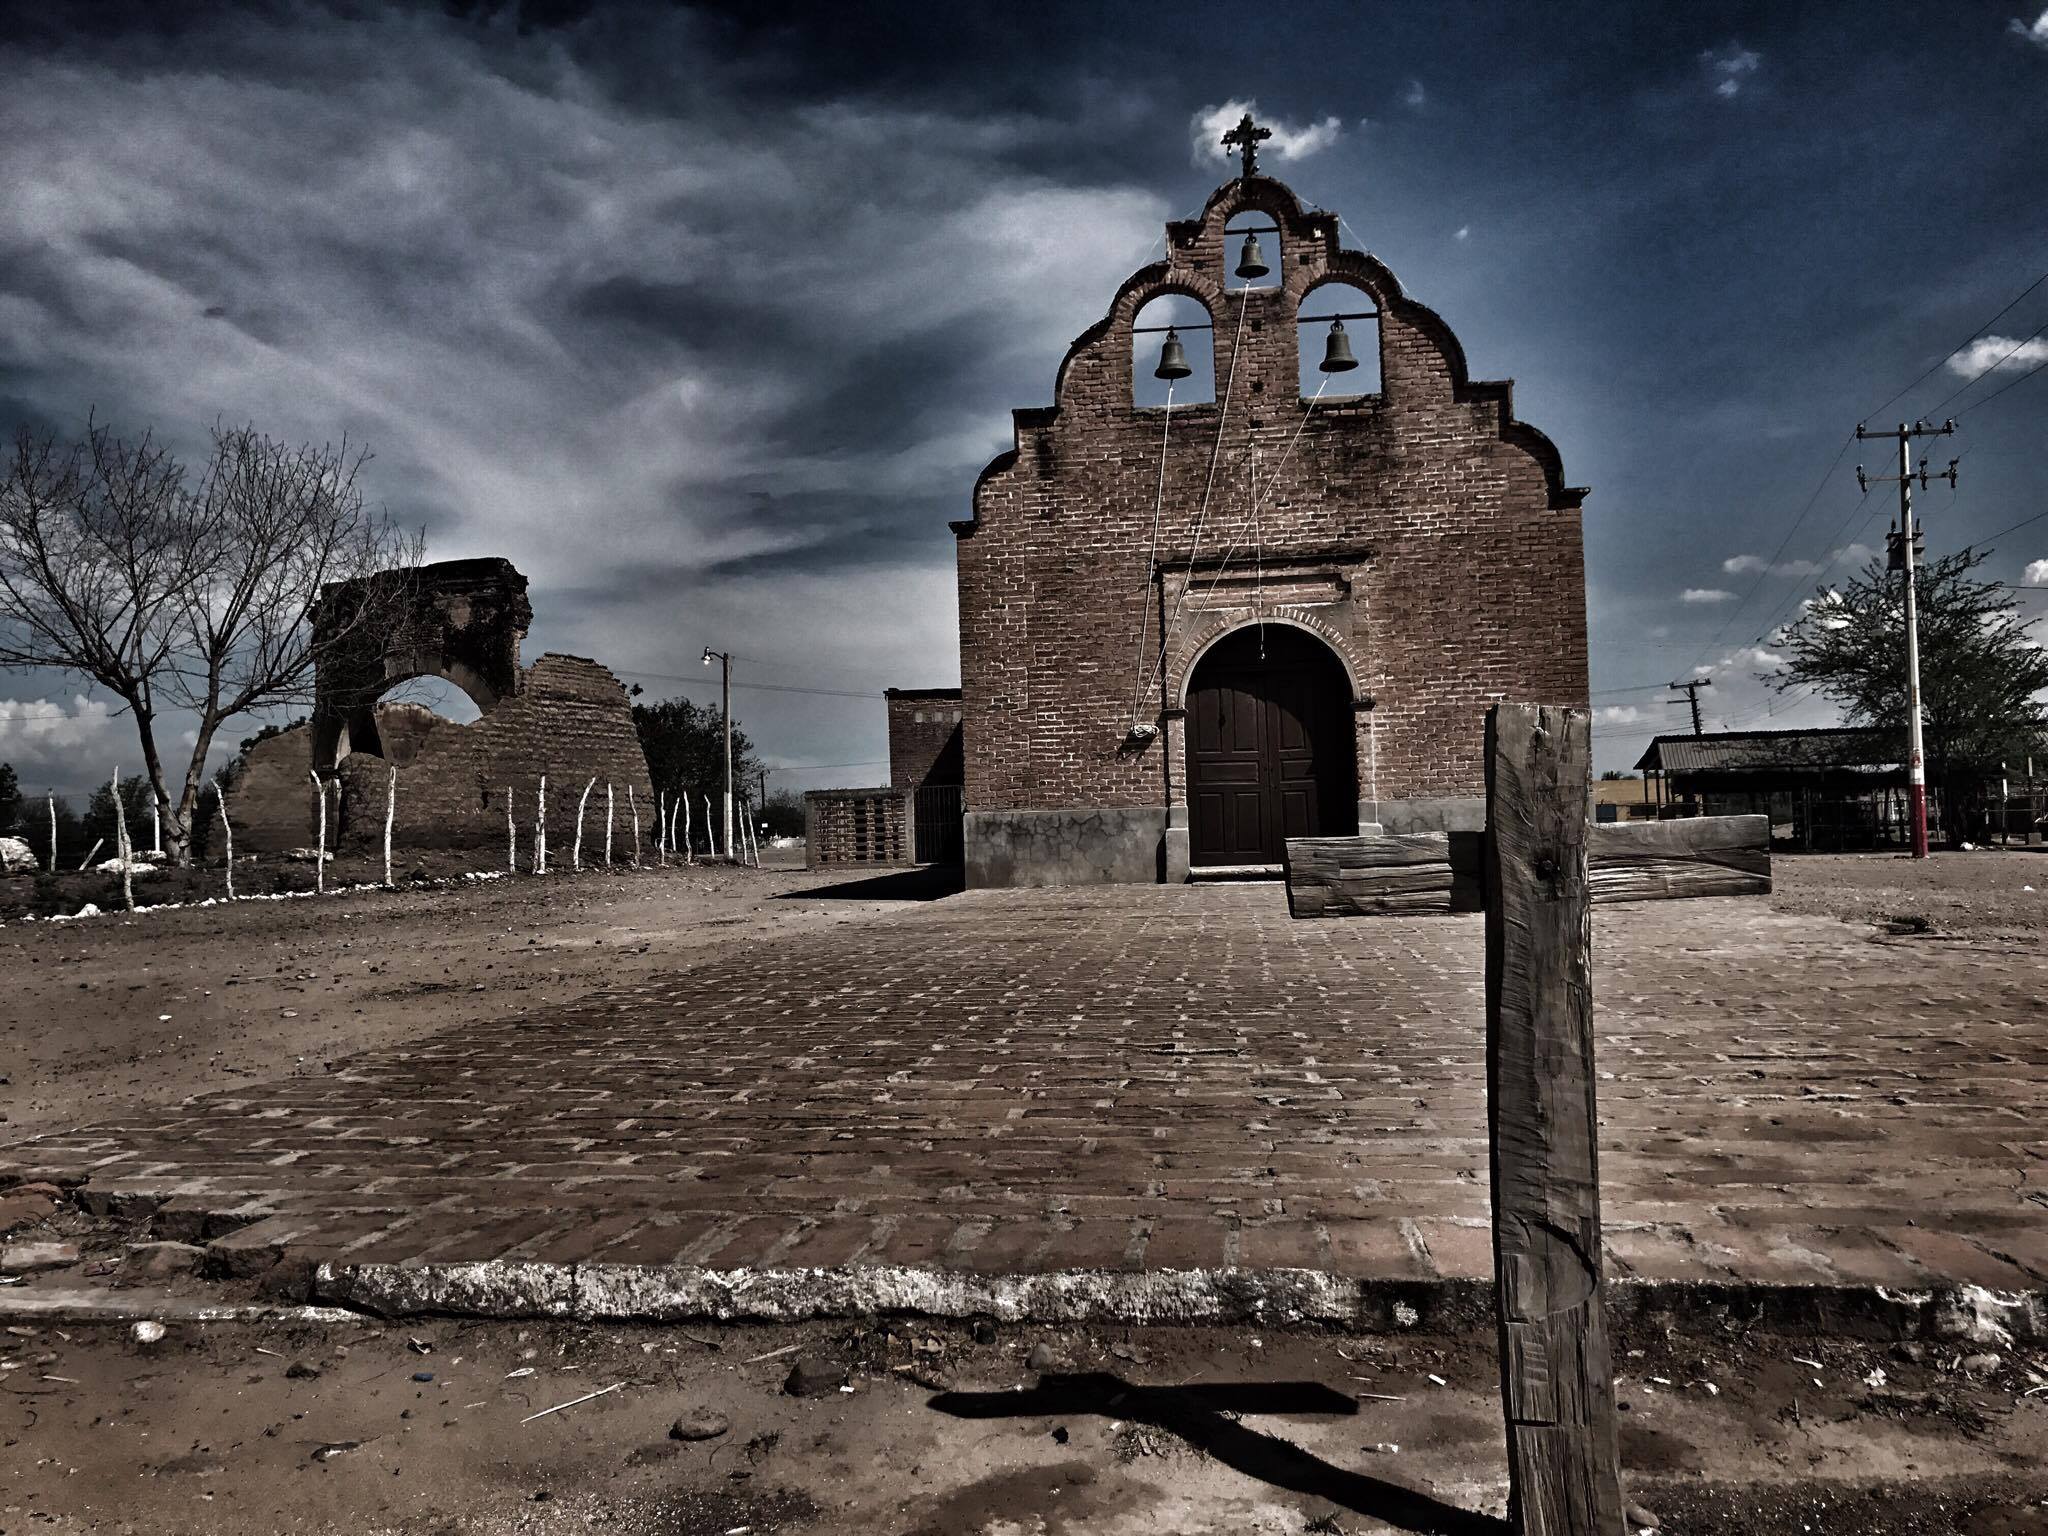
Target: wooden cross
{"points": [[1245, 139]]}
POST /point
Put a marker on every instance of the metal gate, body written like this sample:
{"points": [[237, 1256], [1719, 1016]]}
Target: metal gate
{"points": [[936, 834]]}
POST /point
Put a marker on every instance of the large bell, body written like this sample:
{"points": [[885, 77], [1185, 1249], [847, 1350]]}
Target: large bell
{"points": [[1173, 358], [1337, 356], [1251, 261]]}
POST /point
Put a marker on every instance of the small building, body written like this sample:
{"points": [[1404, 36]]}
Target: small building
{"points": [[1838, 787]]}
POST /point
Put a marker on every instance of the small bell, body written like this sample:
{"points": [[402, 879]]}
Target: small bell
{"points": [[1251, 261], [1173, 358], [1337, 356]]}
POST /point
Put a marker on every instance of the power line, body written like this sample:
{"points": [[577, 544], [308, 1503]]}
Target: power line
{"points": [[1973, 405], [701, 682], [1952, 351], [1764, 574], [1975, 379]]}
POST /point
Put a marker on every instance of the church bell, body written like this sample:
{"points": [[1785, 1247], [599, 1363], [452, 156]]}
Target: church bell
{"points": [[1251, 261], [1337, 356], [1173, 358]]}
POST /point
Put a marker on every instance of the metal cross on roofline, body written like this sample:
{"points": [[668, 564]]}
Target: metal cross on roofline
{"points": [[1245, 139]]}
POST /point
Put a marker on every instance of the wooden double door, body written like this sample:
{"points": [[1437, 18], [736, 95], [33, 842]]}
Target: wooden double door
{"points": [[1270, 746]]}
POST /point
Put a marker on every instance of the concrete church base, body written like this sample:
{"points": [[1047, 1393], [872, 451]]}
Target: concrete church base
{"points": [[1079, 845], [1454, 813]]}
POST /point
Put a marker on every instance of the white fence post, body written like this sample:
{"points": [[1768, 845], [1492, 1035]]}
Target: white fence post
{"points": [[53, 834], [320, 852], [576, 852], [390, 815], [511, 836], [227, 829], [540, 830], [608, 807], [633, 805], [122, 849]]}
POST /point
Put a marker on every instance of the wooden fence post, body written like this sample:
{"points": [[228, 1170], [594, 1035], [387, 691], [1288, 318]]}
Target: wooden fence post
{"points": [[1557, 1379], [227, 832]]}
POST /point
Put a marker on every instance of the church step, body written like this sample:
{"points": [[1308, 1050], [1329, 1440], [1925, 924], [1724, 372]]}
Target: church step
{"points": [[1214, 874]]}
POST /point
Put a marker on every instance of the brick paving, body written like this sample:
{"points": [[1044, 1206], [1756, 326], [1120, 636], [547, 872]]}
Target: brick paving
{"points": [[1028, 1081]]}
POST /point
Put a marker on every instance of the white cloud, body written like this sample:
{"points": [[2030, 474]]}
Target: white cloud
{"points": [[1416, 97], [1705, 595], [2037, 34], [1743, 565], [2036, 574], [1730, 67], [1992, 354], [1290, 141], [1464, 231], [1621, 714]]}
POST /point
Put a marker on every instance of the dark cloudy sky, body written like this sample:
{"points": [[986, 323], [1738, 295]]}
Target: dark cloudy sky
{"points": [[708, 322]]}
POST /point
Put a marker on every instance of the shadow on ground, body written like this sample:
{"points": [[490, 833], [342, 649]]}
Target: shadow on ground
{"points": [[930, 882], [1202, 1414]]}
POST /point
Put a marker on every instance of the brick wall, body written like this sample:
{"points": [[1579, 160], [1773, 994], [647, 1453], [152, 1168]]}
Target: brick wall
{"points": [[1425, 535], [925, 744], [569, 719], [856, 826]]}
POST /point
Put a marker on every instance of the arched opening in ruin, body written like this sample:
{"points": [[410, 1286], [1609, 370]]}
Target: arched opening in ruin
{"points": [[1189, 319], [1358, 313], [1271, 752], [397, 725]]}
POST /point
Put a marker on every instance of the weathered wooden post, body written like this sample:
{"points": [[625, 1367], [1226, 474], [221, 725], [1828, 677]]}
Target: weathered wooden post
{"points": [[610, 804], [511, 835], [540, 828], [633, 809], [1557, 1379]]}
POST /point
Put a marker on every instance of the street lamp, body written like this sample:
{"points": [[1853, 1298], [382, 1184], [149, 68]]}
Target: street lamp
{"points": [[725, 712]]}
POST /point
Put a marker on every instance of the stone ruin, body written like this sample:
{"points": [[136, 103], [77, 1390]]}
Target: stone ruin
{"points": [[565, 717]]}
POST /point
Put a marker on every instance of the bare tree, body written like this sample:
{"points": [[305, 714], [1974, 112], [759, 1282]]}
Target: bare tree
{"points": [[183, 593]]}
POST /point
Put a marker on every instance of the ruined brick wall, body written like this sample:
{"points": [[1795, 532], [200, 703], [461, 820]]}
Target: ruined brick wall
{"points": [[925, 745], [1425, 535], [568, 719], [856, 826]]}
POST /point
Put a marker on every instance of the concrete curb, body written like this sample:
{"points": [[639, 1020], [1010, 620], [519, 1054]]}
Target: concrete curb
{"points": [[1272, 1298], [89, 1306]]}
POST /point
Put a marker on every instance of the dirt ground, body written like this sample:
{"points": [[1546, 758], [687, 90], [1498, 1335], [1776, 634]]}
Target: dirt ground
{"points": [[1987, 893], [161, 1005], [940, 1432]]}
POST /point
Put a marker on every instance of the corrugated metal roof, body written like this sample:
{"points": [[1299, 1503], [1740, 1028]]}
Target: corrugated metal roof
{"points": [[1772, 751]]}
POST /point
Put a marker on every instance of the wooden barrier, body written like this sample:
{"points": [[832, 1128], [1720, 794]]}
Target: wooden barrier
{"points": [[1386, 875]]}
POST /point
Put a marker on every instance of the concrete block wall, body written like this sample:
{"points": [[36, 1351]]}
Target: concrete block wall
{"points": [[856, 826]]}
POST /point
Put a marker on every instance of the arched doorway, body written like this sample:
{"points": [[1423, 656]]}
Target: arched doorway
{"points": [[1270, 748]]}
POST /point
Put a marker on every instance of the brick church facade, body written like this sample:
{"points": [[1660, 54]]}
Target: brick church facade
{"points": [[1300, 659]]}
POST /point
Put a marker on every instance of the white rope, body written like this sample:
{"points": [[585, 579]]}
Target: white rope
{"points": [[1151, 562], [1259, 494], [1208, 485]]}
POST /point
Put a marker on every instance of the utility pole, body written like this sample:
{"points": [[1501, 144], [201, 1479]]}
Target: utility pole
{"points": [[1906, 550], [725, 714], [1691, 690]]}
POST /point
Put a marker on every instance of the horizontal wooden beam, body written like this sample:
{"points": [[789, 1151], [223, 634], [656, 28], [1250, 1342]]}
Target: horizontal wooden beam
{"points": [[1383, 875]]}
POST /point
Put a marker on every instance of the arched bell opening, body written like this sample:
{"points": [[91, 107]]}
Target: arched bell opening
{"points": [[1338, 327], [1251, 250], [1271, 748], [1172, 343]]}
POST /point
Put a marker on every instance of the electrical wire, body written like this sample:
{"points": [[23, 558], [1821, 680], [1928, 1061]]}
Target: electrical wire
{"points": [[1952, 351], [1974, 380]]}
